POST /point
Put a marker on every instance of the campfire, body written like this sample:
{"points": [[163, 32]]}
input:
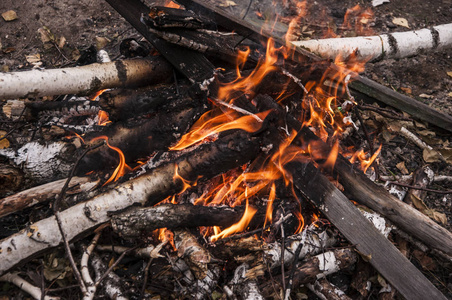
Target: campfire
{"points": [[237, 179]]}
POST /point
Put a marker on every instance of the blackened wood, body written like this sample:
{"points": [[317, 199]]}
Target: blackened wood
{"points": [[208, 160], [161, 17], [383, 255], [131, 103], [362, 190], [359, 83], [190, 63], [134, 222]]}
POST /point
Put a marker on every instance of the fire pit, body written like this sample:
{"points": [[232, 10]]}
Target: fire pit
{"points": [[224, 159]]}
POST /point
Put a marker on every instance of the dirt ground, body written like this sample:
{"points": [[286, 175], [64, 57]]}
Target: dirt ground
{"points": [[77, 25]]}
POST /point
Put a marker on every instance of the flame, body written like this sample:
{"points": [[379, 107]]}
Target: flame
{"points": [[102, 118], [185, 182], [365, 161], [208, 125], [165, 235], [239, 226], [122, 167], [96, 95], [271, 198], [171, 4]]}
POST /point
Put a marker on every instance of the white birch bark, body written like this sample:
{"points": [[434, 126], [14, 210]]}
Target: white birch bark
{"points": [[391, 45]]}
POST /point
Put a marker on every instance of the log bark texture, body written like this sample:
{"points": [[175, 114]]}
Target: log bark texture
{"points": [[84, 80], [138, 220], [207, 161], [391, 45]]}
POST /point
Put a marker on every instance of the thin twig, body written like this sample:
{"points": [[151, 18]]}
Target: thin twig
{"points": [[419, 188], [292, 271], [16, 126], [114, 265], [146, 276], [283, 248], [56, 211]]}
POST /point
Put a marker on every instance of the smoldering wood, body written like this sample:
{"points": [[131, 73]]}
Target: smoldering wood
{"points": [[207, 161], [42, 193], [362, 190], [167, 17], [385, 257], [318, 266], [122, 104], [84, 80], [133, 222], [359, 83], [141, 137]]}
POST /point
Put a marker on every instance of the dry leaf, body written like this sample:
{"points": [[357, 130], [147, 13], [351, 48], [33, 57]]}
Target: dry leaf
{"points": [[425, 96], [401, 22], [4, 143], [33, 58], [61, 42], [449, 73], [426, 262], [447, 154], [101, 42], [401, 166], [430, 155], [46, 35], [437, 216], [228, 3], [9, 15], [418, 203], [406, 90]]}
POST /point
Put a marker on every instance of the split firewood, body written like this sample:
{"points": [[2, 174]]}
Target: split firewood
{"points": [[362, 190], [318, 266], [207, 161], [391, 45], [84, 80], [27, 287], [327, 291], [43, 193], [200, 262], [132, 223]]}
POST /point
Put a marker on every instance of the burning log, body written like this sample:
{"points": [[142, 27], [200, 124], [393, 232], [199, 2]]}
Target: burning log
{"points": [[84, 80], [208, 160], [43, 193], [318, 266], [391, 45], [134, 222], [359, 188]]}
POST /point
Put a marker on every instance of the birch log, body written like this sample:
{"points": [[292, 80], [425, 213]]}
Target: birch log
{"points": [[84, 80], [207, 161], [391, 45]]}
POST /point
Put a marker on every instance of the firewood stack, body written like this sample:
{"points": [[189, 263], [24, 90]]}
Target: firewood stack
{"points": [[207, 181]]}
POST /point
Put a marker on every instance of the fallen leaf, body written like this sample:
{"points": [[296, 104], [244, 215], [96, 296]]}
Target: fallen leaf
{"points": [[376, 3], [9, 50], [46, 35], [437, 216], [426, 262], [401, 166], [61, 42], [447, 154], [33, 58], [418, 203], [9, 15], [4, 143], [425, 96], [406, 90], [450, 94], [430, 155], [227, 3], [101, 42], [449, 73], [401, 22]]}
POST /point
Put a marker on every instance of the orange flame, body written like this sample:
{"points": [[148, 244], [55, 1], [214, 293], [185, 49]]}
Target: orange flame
{"points": [[102, 118], [239, 226], [122, 167]]}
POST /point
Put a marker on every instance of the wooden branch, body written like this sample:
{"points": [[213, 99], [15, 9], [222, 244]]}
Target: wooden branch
{"points": [[42, 193], [112, 284], [207, 161], [84, 80], [325, 290], [132, 223], [27, 287], [243, 285], [359, 188], [359, 84], [383, 255], [391, 45]]}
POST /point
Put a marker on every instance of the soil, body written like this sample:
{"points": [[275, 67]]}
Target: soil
{"points": [[85, 23]]}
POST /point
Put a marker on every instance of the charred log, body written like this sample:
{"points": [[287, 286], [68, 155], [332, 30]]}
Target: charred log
{"points": [[133, 223]]}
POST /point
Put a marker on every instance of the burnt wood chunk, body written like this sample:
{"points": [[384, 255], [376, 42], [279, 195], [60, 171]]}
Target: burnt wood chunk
{"points": [[167, 17]]}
